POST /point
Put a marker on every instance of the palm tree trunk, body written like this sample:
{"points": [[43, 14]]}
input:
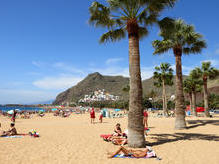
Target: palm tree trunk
{"points": [[207, 114], [165, 113], [180, 122], [190, 101], [135, 117], [193, 110]]}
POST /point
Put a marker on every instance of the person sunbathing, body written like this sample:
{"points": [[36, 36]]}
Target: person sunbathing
{"points": [[12, 131], [129, 153], [117, 130], [120, 141]]}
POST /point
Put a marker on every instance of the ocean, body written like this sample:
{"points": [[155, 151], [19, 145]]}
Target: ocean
{"points": [[7, 108]]}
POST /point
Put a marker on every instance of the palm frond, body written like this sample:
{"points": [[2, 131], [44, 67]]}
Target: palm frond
{"points": [[159, 5], [142, 32], [161, 46], [113, 35], [116, 14], [163, 73], [179, 34], [195, 48], [100, 15]]}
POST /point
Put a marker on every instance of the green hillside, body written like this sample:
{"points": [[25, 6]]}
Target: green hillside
{"points": [[114, 86]]}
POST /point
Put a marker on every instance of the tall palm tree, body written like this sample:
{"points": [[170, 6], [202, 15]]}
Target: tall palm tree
{"points": [[126, 90], [207, 72], [132, 17], [182, 39], [163, 76], [193, 84], [187, 86]]}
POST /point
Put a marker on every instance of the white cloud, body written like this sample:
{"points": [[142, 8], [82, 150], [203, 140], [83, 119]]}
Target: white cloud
{"points": [[113, 60], [112, 71], [67, 68], [213, 62], [15, 96], [217, 51], [185, 69], [57, 83], [37, 63], [147, 72]]}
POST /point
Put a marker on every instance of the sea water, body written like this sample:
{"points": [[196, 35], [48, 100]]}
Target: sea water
{"points": [[7, 108]]}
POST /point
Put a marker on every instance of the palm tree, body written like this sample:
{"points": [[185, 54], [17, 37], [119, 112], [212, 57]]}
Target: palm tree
{"points": [[152, 96], [207, 72], [196, 87], [132, 17], [182, 39], [164, 76], [187, 86], [193, 85], [126, 90]]}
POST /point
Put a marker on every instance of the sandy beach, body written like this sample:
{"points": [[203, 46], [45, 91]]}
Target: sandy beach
{"points": [[75, 140]]}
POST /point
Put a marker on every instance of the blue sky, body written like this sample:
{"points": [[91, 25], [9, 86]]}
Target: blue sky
{"points": [[47, 46]]}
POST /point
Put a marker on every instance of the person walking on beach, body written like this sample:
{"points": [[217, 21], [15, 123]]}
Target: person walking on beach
{"points": [[101, 117], [92, 115], [13, 115], [145, 120]]}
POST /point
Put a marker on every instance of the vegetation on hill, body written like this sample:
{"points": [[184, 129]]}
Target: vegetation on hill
{"points": [[115, 84]]}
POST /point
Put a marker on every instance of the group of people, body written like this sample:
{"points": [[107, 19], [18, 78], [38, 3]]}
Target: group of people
{"points": [[11, 132], [121, 138], [62, 113], [118, 137], [92, 116]]}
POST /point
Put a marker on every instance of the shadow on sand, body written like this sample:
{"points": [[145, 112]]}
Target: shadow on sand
{"points": [[197, 123], [167, 138]]}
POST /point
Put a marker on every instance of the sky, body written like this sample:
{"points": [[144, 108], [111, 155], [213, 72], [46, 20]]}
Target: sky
{"points": [[47, 46]]}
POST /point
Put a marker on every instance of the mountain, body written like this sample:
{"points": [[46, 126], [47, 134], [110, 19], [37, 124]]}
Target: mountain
{"points": [[114, 86], [93, 82]]}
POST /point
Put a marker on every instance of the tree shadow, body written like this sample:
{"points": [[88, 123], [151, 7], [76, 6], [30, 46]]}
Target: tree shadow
{"points": [[151, 127], [201, 123], [167, 138]]}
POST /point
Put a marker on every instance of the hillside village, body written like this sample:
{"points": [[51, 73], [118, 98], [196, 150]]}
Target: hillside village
{"points": [[99, 95]]}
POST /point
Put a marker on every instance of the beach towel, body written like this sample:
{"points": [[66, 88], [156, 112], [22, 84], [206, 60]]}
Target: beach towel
{"points": [[146, 129], [105, 135], [12, 136]]}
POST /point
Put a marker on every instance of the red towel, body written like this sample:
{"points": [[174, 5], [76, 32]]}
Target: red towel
{"points": [[105, 135]]}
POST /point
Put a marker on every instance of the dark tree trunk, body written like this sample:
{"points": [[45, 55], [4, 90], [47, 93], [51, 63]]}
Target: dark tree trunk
{"points": [[180, 122], [190, 101], [165, 112], [136, 137], [205, 81]]}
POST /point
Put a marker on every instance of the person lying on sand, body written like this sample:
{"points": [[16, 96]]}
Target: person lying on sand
{"points": [[129, 153]]}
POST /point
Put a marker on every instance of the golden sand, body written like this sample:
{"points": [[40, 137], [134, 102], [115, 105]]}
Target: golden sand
{"points": [[75, 140]]}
